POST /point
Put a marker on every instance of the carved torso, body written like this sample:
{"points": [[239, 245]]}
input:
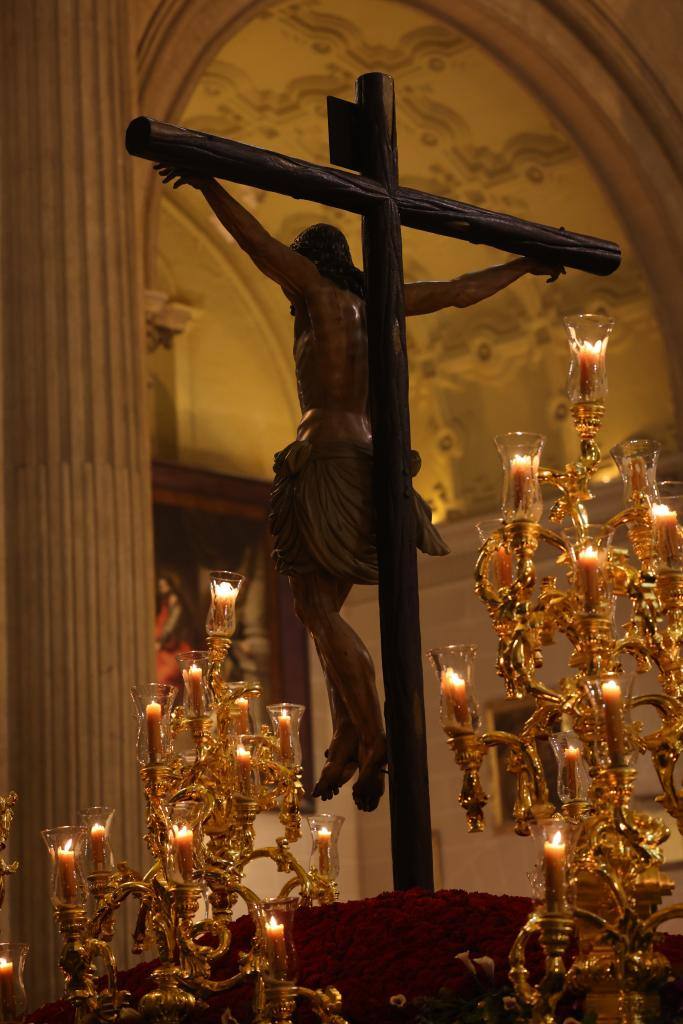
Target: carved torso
{"points": [[331, 358]]}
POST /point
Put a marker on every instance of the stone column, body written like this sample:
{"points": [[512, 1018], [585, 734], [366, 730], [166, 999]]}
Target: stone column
{"points": [[76, 462]]}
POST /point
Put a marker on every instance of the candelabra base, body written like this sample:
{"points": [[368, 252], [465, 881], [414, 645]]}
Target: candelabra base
{"points": [[280, 999], [167, 1003]]}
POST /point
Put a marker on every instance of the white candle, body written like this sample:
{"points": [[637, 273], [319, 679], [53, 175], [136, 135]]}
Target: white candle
{"points": [[588, 562], [243, 759], [454, 689], [638, 475], [276, 950], [521, 470], [7, 1002], [97, 837], [225, 596], [66, 868], [183, 844], [284, 730], [555, 873], [614, 722], [324, 841], [153, 718], [193, 680], [572, 757], [590, 358], [242, 714], [666, 532]]}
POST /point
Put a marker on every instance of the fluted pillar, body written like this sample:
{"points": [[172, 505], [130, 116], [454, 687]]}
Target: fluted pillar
{"points": [[78, 548]]}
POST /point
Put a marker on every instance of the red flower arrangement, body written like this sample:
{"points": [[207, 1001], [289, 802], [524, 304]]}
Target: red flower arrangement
{"points": [[397, 944]]}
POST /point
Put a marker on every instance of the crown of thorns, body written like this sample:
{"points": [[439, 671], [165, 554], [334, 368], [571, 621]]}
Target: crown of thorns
{"points": [[325, 246]]}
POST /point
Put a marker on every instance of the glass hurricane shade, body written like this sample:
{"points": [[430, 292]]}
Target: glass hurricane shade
{"points": [[520, 454], [588, 337]]}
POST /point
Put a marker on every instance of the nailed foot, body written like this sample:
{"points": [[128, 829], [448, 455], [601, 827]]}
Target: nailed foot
{"points": [[342, 762], [369, 786]]}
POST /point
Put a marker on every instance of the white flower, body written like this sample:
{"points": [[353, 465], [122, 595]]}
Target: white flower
{"points": [[487, 965], [465, 959]]}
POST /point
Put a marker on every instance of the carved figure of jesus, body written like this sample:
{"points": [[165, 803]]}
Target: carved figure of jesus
{"points": [[322, 508]]}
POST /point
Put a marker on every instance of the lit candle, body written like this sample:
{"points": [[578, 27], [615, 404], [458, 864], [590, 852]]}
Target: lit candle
{"points": [[502, 566], [7, 1002], [276, 949], [242, 714], [590, 358], [153, 717], [454, 689], [614, 722], [183, 844], [555, 874], [97, 836], [284, 731], [243, 759], [323, 841], [666, 532], [225, 596], [521, 471], [588, 562], [66, 869], [193, 680], [572, 757]]}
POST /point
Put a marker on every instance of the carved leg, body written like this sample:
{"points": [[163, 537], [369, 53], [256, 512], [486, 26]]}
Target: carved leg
{"points": [[359, 737]]}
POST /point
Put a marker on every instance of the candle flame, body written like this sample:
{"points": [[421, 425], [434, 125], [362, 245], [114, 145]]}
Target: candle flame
{"points": [[97, 829], [557, 839], [284, 715], [521, 462], [242, 752], [4, 964], [453, 679], [273, 924], [242, 702], [225, 590], [592, 347], [661, 511], [611, 686], [589, 553], [67, 846], [324, 831], [572, 750], [182, 832]]}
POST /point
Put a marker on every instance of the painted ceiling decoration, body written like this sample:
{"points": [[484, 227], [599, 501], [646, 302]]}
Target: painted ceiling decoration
{"points": [[224, 395]]}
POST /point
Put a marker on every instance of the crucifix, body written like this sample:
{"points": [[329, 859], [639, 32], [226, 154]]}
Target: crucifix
{"points": [[362, 139]]}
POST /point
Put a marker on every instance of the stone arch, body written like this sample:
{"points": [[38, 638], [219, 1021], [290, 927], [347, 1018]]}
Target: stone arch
{"points": [[583, 64]]}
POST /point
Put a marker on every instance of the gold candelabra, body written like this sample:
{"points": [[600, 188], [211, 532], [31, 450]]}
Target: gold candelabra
{"points": [[602, 876], [12, 954], [201, 810]]}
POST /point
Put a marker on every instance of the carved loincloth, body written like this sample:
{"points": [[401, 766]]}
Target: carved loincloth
{"points": [[322, 514]]}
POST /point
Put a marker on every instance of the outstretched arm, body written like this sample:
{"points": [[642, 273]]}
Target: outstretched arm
{"points": [[430, 296], [292, 271]]}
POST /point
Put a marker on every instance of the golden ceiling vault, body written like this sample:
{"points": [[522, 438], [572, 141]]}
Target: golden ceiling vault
{"points": [[224, 393]]}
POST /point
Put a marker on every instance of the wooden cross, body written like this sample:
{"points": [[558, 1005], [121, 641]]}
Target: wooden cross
{"points": [[363, 138]]}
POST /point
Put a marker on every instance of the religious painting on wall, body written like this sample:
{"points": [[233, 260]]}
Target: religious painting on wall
{"points": [[205, 521], [510, 716]]}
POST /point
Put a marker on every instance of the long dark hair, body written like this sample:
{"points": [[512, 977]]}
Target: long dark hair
{"points": [[326, 246]]}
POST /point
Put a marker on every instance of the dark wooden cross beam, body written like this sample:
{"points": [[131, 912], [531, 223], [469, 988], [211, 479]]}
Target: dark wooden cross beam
{"points": [[363, 138]]}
